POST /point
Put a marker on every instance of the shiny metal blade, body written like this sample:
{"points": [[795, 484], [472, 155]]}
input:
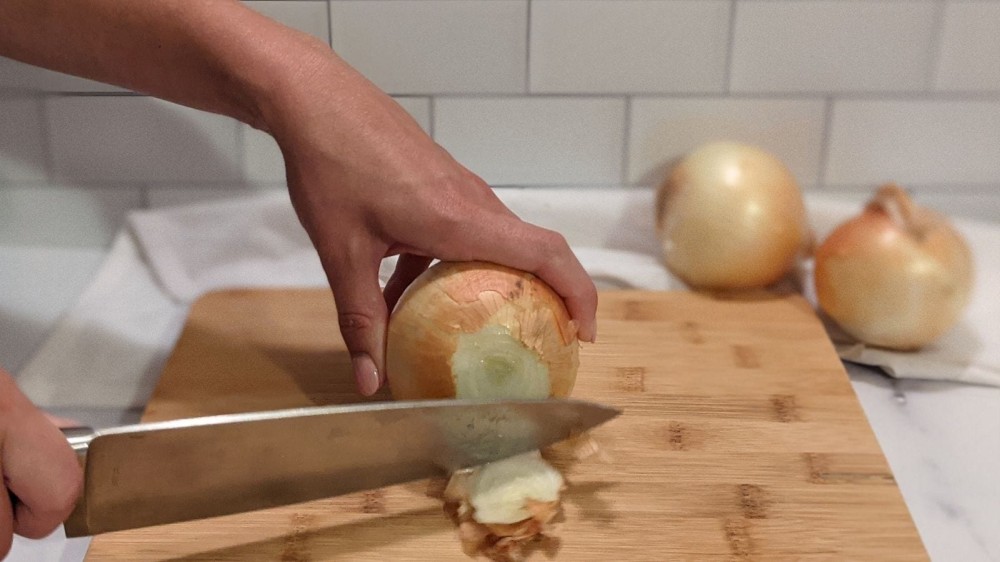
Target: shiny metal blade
{"points": [[151, 474]]}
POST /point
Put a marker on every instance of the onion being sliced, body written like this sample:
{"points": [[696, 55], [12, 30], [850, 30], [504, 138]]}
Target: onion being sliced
{"points": [[896, 276], [479, 330]]}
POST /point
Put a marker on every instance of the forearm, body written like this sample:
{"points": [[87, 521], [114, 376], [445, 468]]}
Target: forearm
{"points": [[215, 55]]}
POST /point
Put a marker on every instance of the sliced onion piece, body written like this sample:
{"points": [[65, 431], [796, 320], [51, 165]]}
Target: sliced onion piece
{"points": [[502, 506]]}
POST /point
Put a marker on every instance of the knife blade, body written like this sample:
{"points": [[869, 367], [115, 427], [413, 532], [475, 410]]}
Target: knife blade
{"points": [[165, 472]]}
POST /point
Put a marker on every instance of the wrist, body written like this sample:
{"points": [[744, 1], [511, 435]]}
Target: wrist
{"points": [[310, 85], [259, 66]]}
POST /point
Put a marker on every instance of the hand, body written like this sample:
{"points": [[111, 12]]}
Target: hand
{"points": [[39, 469], [364, 178], [367, 183]]}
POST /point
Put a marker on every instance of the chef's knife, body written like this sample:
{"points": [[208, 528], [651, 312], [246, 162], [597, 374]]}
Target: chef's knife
{"points": [[156, 473]]}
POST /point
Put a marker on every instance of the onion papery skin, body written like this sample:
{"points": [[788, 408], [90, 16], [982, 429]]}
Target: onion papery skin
{"points": [[500, 318], [897, 276], [730, 216]]}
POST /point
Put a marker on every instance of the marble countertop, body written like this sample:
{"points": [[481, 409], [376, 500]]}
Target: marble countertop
{"points": [[942, 440]]}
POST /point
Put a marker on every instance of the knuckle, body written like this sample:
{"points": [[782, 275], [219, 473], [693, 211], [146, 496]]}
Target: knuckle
{"points": [[553, 245], [355, 323]]}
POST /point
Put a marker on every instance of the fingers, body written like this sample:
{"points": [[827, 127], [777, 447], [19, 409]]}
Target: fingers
{"points": [[504, 239], [551, 258], [38, 467], [408, 268], [566, 275], [362, 315], [42, 471]]}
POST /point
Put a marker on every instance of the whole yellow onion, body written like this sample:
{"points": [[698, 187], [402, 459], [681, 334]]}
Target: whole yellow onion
{"points": [[730, 216], [479, 330], [897, 276]]}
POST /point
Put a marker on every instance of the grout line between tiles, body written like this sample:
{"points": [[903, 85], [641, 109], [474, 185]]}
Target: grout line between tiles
{"points": [[78, 94], [824, 144], [934, 46], [527, 51], [48, 154], [329, 23], [727, 83], [241, 153], [626, 142], [959, 96], [896, 95], [431, 116]]}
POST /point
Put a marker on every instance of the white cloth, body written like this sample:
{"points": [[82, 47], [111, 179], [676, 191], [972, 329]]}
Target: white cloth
{"points": [[108, 350]]}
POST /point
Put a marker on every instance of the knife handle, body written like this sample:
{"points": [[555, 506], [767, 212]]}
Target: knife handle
{"points": [[79, 439]]}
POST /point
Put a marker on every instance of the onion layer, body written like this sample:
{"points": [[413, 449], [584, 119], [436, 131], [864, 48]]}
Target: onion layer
{"points": [[730, 216], [479, 330], [896, 276], [502, 506]]}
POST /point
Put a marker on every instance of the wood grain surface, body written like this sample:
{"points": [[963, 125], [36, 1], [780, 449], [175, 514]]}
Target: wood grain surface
{"points": [[742, 439]]}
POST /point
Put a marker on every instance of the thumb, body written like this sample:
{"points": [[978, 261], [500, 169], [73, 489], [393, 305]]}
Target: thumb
{"points": [[362, 315], [6, 519]]}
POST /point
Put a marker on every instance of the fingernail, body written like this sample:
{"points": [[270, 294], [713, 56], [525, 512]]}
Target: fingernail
{"points": [[366, 374]]}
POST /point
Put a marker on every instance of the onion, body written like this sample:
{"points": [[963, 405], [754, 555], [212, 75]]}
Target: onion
{"points": [[484, 331], [896, 276], [503, 505], [479, 330], [730, 216]]}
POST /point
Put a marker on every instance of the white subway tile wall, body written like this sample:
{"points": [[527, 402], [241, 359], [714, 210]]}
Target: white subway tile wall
{"points": [[792, 128], [432, 46], [22, 140], [541, 93], [970, 47], [832, 45], [17, 76], [140, 140], [308, 16], [629, 46], [176, 195], [540, 141], [63, 215], [914, 142]]}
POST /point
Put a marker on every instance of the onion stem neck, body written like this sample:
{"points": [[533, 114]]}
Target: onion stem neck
{"points": [[897, 204]]}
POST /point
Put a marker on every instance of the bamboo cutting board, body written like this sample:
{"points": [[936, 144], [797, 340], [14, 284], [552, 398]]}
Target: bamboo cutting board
{"points": [[741, 439]]}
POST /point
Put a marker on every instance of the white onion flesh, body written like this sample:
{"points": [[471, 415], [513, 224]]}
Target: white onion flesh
{"points": [[491, 363], [501, 491]]}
